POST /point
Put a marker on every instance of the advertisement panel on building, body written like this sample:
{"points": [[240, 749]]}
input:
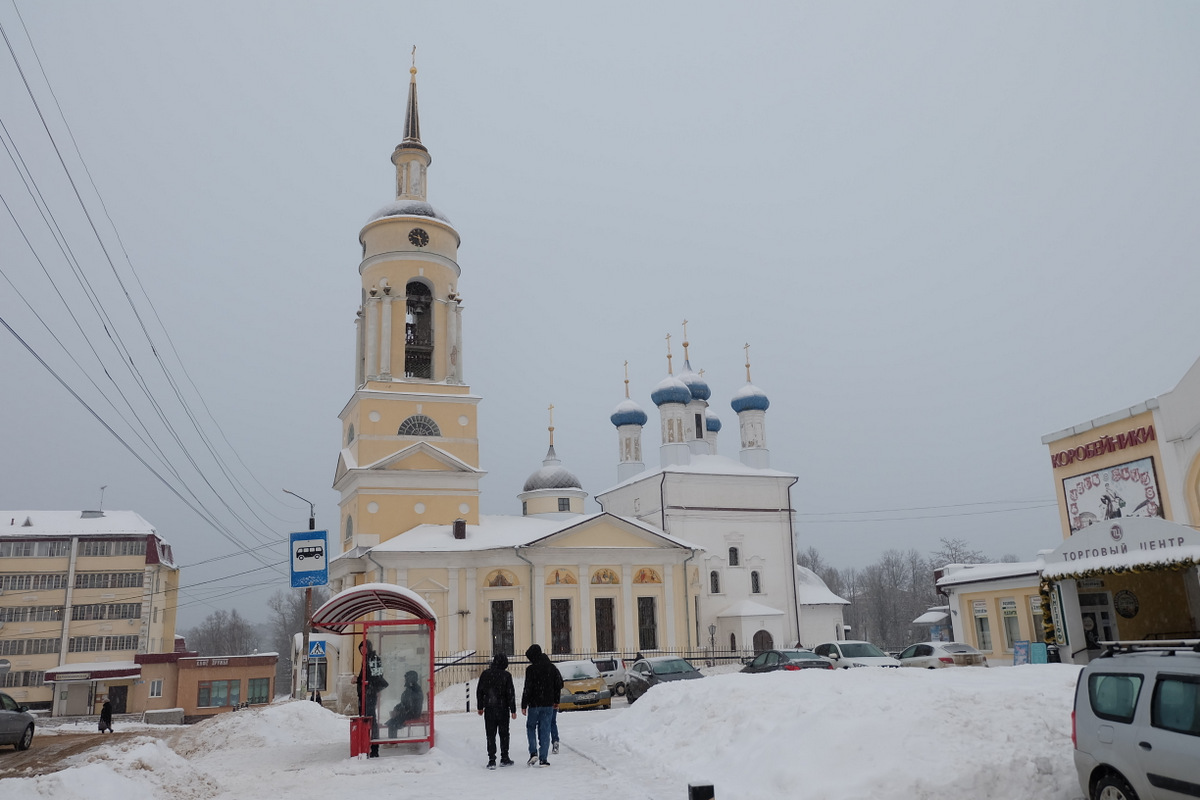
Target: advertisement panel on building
{"points": [[1126, 490]]}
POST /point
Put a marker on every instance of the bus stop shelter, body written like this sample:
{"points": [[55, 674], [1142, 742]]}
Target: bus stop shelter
{"points": [[398, 657]]}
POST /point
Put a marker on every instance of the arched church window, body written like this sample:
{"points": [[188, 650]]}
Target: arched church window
{"points": [[734, 558], [714, 582], [349, 528], [419, 425], [350, 433], [733, 641], [418, 331], [755, 583]]}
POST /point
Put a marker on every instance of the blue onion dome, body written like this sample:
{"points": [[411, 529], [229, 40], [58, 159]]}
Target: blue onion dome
{"points": [[552, 475], [695, 383], [750, 397], [409, 208], [712, 422], [628, 412], [671, 390]]}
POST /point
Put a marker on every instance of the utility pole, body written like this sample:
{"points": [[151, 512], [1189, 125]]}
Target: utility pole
{"points": [[312, 526]]}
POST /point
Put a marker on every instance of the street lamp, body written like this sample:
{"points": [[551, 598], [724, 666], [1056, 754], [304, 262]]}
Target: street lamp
{"points": [[712, 638], [312, 516], [312, 526]]}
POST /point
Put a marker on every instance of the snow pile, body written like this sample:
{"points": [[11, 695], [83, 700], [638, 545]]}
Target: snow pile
{"points": [[130, 768], [861, 733], [293, 723]]}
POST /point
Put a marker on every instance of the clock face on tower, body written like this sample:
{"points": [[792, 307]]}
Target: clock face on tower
{"points": [[418, 237]]}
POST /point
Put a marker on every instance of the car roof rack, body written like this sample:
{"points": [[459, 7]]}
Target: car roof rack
{"points": [[1166, 646]]}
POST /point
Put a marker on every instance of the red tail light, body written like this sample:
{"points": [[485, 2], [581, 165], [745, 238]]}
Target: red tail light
{"points": [[1074, 744], [945, 660], [790, 667]]}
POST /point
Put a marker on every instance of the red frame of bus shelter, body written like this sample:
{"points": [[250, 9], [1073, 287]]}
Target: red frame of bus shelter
{"points": [[342, 615]]}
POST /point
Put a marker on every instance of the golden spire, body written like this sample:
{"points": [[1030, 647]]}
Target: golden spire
{"points": [[626, 380], [747, 349], [669, 371], [551, 424], [685, 342]]}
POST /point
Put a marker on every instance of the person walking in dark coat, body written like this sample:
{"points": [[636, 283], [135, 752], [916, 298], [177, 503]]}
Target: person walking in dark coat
{"points": [[539, 700], [370, 683], [106, 716], [497, 703]]}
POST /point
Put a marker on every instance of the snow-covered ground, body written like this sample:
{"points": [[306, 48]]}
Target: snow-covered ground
{"points": [[861, 733]]}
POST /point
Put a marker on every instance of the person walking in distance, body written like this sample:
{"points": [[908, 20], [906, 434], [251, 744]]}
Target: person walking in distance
{"points": [[539, 701], [497, 702], [106, 716], [370, 683]]}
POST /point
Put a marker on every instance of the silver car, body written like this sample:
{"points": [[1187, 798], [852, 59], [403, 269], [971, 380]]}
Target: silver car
{"points": [[16, 723], [1136, 724]]}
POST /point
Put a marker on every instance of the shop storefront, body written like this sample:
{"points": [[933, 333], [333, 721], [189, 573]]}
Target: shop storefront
{"points": [[1124, 579]]}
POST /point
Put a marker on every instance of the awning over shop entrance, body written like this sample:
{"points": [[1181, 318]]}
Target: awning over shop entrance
{"points": [[931, 617], [95, 671], [343, 609], [1129, 544]]}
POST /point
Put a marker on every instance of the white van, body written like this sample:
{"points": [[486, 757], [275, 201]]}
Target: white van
{"points": [[612, 669], [1136, 723]]}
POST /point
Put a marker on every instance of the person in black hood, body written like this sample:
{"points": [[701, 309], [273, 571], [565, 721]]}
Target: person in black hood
{"points": [[497, 702], [370, 683], [539, 700]]}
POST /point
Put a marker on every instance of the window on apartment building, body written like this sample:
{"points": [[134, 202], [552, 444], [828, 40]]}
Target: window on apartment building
{"points": [[216, 694], [156, 688], [258, 690]]}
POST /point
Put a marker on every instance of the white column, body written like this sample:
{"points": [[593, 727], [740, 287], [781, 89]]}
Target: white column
{"points": [[630, 615], [385, 340], [372, 338], [472, 592], [452, 350], [359, 374], [452, 607], [669, 603], [587, 640]]}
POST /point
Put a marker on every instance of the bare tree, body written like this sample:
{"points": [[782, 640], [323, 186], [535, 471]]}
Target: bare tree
{"points": [[957, 551], [286, 620], [223, 633]]}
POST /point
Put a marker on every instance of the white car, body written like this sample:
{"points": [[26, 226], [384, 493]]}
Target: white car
{"points": [[612, 669], [855, 653], [935, 655], [1136, 723]]}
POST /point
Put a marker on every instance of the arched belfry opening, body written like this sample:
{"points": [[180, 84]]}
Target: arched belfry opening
{"points": [[418, 331]]}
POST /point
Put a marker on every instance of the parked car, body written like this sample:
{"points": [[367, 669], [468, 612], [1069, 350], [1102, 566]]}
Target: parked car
{"points": [[935, 655], [649, 672], [1136, 721], [612, 669], [855, 653], [788, 660], [582, 686], [16, 723]]}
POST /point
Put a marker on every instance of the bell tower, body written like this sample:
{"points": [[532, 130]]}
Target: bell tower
{"points": [[410, 447]]}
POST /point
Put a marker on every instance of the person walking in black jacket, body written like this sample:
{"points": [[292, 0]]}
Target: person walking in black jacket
{"points": [[539, 700], [497, 702]]}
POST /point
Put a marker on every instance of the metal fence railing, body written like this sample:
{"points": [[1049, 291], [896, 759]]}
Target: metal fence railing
{"points": [[465, 667]]}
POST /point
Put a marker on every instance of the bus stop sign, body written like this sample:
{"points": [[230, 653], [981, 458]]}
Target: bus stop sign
{"points": [[310, 563]]}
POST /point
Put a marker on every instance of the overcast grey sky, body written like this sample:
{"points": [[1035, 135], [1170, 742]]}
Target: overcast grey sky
{"points": [[945, 229]]}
